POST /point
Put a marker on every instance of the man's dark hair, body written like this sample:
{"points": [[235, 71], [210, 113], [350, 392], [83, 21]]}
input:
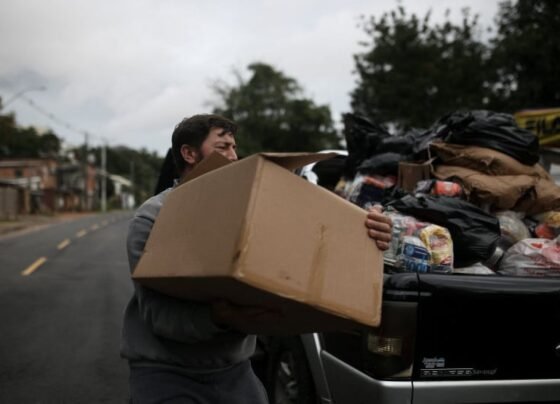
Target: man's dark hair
{"points": [[193, 131], [167, 173]]}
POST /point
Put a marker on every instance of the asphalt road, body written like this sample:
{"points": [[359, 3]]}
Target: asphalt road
{"points": [[62, 293]]}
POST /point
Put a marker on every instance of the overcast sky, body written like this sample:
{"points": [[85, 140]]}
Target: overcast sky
{"points": [[127, 71]]}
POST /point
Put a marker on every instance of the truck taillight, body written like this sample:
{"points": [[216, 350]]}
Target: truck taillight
{"points": [[386, 346], [388, 357], [389, 349]]}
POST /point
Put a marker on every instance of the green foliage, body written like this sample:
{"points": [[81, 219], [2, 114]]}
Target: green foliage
{"points": [[525, 56], [141, 166], [16, 141], [273, 114], [412, 71], [49, 143]]}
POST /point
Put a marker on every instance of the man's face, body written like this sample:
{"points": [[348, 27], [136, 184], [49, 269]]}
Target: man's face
{"points": [[221, 141], [218, 140]]}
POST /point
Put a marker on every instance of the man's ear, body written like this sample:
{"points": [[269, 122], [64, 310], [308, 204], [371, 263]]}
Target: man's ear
{"points": [[190, 154]]}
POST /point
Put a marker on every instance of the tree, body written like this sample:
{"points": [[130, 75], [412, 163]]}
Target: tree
{"points": [[16, 141], [8, 131], [49, 144], [141, 166], [525, 55], [412, 72], [273, 114]]}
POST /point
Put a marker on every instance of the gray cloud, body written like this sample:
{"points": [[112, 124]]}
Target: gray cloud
{"points": [[129, 70]]}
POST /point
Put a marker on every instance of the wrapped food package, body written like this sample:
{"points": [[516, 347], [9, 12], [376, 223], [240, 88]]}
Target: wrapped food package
{"points": [[419, 246]]}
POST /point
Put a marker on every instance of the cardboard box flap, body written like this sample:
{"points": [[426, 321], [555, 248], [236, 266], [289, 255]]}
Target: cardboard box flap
{"points": [[291, 161], [210, 163]]}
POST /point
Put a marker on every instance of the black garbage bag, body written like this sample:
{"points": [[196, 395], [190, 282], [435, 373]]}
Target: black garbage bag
{"points": [[422, 141], [413, 141], [397, 144], [475, 233], [489, 129], [382, 164], [393, 194], [362, 139], [329, 171]]}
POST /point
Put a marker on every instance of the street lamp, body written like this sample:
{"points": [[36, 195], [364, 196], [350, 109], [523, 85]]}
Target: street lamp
{"points": [[20, 93]]}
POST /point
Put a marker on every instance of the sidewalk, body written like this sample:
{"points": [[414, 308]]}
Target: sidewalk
{"points": [[26, 223]]}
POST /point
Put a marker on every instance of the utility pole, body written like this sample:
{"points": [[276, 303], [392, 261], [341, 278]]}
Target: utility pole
{"points": [[133, 187], [85, 172], [104, 177]]}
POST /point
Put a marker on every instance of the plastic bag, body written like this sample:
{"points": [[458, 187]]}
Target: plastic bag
{"points": [[512, 227], [548, 225], [493, 130], [440, 246], [382, 164], [419, 247], [365, 190], [329, 171], [438, 187], [475, 233], [414, 142], [532, 257], [475, 269], [400, 143], [362, 139], [551, 218]]}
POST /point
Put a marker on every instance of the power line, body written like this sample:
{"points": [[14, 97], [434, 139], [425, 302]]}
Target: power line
{"points": [[60, 121], [87, 135]]}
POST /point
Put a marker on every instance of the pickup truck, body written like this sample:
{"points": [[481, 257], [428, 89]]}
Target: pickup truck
{"points": [[444, 338]]}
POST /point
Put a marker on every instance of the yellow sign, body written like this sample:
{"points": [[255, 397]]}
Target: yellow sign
{"points": [[545, 123]]}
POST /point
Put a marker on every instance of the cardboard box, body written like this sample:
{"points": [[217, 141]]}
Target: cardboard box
{"points": [[254, 233], [411, 173]]}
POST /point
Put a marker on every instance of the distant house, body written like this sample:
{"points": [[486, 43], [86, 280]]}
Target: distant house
{"points": [[44, 186], [9, 197], [77, 187], [35, 181], [35, 185], [123, 195]]}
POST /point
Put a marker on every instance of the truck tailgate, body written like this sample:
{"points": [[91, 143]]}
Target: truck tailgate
{"points": [[487, 328]]}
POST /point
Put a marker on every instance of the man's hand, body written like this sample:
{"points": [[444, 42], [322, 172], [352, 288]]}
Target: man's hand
{"points": [[379, 227], [247, 319]]}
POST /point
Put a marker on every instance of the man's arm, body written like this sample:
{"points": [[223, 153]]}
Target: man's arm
{"points": [[168, 317]]}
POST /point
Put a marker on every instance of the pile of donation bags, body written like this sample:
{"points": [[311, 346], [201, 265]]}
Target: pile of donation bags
{"points": [[465, 196]]}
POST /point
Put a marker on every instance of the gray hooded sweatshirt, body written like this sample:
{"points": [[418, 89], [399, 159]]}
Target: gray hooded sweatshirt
{"points": [[162, 330]]}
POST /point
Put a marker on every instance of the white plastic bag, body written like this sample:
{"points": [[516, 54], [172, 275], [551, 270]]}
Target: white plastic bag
{"points": [[532, 257], [475, 269], [512, 227]]}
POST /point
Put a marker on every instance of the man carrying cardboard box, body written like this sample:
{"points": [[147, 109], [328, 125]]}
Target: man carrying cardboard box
{"points": [[191, 352]]}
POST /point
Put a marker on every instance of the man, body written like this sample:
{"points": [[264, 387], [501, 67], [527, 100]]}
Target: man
{"points": [[188, 352]]}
